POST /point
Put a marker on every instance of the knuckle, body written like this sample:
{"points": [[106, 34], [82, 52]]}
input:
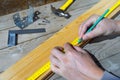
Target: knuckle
{"points": [[50, 57], [94, 16], [53, 50], [71, 51]]}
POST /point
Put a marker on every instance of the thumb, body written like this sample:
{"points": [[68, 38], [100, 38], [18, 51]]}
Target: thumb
{"points": [[94, 33]]}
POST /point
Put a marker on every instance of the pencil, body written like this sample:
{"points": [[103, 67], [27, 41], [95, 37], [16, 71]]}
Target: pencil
{"points": [[95, 24], [106, 13]]}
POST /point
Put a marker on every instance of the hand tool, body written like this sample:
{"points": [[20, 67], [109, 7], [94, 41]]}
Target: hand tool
{"points": [[46, 67], [62, 10], [12, 35]]}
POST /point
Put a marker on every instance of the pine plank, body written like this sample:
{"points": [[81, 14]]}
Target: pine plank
{"points": [[28, 63], [110, 62], [7, 23], [26, 43]]}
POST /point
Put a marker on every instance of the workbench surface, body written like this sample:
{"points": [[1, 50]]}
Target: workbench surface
{"points": [[106, 49]]}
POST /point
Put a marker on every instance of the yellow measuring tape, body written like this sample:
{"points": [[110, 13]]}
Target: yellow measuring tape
{"points": [[46, 67]]}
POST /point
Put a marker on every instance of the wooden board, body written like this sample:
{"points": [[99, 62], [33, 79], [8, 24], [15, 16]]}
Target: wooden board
{"points": [[37, 56], [107, 51], [7, 22], [27, 42]]}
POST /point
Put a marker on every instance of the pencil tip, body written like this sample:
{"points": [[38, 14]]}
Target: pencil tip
{"points": [[79, 41]]}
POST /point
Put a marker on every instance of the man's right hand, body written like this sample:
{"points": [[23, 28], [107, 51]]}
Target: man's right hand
{"points": [[104, 27]]}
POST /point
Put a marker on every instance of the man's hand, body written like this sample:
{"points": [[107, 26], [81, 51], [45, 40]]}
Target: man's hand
{"points": [[104, 27], [74, 63]]}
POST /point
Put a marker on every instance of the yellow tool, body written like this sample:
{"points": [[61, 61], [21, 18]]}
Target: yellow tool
{"points": [[113, 8], [66, 5], [46, 67], [61, 11]]}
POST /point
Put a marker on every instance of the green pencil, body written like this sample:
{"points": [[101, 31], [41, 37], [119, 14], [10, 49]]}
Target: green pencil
{"points": [[94, 25]]}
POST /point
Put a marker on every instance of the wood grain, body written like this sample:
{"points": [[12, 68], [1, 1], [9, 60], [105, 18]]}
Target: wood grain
{"points": [[26, 43], [7, 23], [107, 53], [41, 53]]}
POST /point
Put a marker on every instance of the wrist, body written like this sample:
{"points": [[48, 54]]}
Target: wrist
{"points": [[99, 74], [118, 25]]}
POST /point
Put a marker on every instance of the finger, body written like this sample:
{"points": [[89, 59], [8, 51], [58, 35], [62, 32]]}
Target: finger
{"points": [[80, 29], [69, 48], [96, 32], [55, 69], [57, 53], [79, 49], [60, 48], [54, 61], [88, 24]]}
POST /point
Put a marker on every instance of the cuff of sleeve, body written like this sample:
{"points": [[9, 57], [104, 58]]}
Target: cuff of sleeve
{"points": [[108, 76]]}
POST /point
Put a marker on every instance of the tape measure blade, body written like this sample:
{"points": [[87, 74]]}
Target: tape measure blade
{"points": [[40, 71]]}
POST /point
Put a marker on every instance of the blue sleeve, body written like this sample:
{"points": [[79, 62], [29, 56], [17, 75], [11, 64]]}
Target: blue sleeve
{"points": [[108, 76]]}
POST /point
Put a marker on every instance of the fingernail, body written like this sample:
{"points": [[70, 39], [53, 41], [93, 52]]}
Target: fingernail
{"points": [[84, 37]]}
